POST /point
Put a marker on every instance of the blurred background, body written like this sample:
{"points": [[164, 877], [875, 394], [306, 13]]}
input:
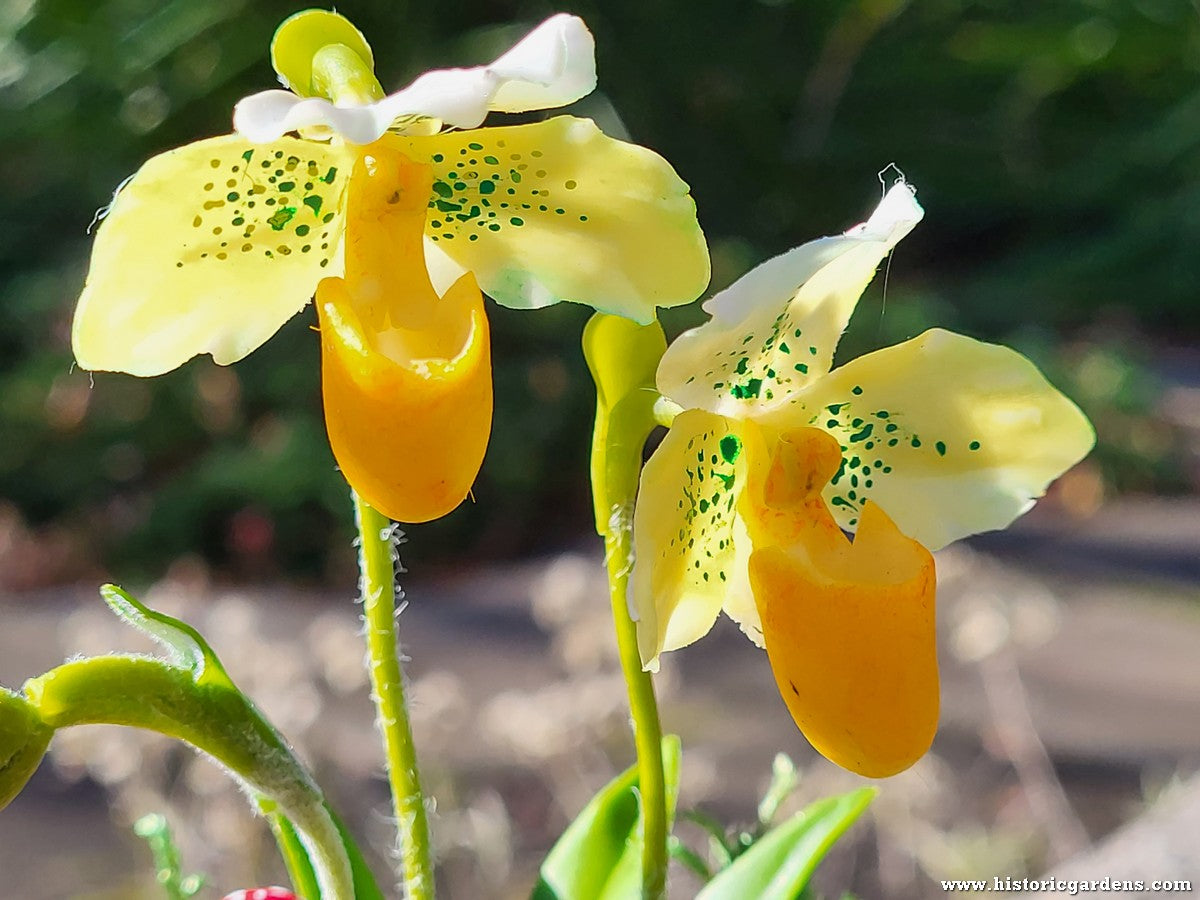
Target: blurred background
{"points": [[1056, 150]]}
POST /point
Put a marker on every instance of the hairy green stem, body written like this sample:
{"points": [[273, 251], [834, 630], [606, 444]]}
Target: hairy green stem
{"points": [[387, 682], [622, 357], [647, 732]]}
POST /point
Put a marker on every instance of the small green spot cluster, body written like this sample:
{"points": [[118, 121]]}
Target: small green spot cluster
{"points": [[704, 541], [872, 442], [254, 197], [765, 366], [481, 190]]}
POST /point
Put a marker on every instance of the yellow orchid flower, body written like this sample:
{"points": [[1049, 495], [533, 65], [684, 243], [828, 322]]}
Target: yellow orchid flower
{"points": [[744, 505], [378, 211]]}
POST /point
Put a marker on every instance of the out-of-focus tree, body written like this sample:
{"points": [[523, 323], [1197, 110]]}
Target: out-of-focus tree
{"points": [[1055, 146]]}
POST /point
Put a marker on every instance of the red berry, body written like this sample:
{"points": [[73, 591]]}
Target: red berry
{"points": [[267, 893]]}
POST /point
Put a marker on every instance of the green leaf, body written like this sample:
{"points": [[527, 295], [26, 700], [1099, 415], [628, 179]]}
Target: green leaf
{"points": [[779, 865], [686, 856], [191, 698], [183, 643], [295, 857], [599, 856], [24, 738], [718, 836], [300, 867]]}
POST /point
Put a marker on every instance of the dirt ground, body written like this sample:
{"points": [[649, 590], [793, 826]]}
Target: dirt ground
{"points": [[1070, 654]]}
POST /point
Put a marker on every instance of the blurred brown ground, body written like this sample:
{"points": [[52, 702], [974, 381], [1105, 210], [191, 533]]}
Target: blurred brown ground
{"points": [[1071, 702]]}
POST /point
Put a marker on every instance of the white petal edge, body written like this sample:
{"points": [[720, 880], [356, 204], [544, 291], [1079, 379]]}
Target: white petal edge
{"points": [[552, 66], [835, 270], [778, 278]]}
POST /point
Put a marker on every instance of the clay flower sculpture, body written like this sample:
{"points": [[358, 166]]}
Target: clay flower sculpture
{"points": [[772, 457], [378, 210]]}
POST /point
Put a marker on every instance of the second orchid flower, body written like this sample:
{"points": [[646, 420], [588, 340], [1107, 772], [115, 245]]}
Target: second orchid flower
{"points": [[772, 456]]}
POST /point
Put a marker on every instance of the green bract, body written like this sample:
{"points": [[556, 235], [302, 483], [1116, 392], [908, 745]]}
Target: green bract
{"points": [[623, 357], [24, 738]]}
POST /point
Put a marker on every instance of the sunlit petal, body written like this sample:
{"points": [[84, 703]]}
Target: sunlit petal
{"points": [[775, 329], [951, 436], [267, 115], [552, 66], [210, 248], [684, 551], [555, 64], [557, 210]]}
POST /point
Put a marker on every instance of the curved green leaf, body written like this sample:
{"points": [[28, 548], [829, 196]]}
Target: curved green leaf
{"points": [[599, 856], [780, 864], [300, 867], [24, 738], [185, 647], [191, 698]]}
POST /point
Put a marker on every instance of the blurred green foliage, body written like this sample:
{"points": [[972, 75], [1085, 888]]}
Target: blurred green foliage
{"points": [[1055, 146]]}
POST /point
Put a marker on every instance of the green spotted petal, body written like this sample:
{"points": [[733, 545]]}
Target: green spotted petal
{"points": [[775, 330], [687, 561], [949, 435], [209, 248], [557, 210]]}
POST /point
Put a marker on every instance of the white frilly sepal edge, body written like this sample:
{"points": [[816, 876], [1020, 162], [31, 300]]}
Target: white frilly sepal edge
{"points": [[552, 66], [897, 214], [818, 283]]}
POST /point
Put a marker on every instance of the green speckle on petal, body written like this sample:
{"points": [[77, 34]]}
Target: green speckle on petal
{"points": [[731, 447], [281, 217], [748, 390]]}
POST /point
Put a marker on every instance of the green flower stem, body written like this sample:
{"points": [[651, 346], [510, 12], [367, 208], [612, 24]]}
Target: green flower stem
{"points": [[622, 357], [387, 683], [155, 831], [647, 731]]}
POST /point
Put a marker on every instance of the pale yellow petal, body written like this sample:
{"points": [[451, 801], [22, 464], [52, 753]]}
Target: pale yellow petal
{"points": [[951, 436], [686, 559], [775, 330], [557, 210], [210, 248]]}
